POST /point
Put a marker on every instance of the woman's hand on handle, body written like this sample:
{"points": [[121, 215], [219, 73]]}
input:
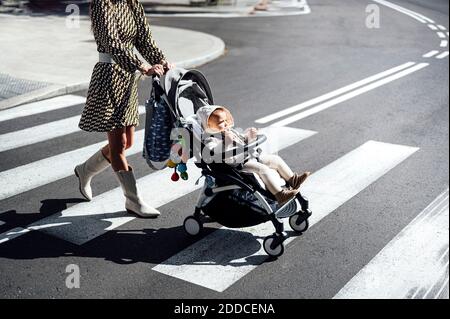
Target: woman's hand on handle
{"points": [[167, 65], [156, 69]]}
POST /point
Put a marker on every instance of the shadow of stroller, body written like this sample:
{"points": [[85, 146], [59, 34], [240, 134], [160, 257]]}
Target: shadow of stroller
{"points": [[128, 246]]}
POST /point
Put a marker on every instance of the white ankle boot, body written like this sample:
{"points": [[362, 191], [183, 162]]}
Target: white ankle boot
{"points": [[134, 203], [94, 165]]}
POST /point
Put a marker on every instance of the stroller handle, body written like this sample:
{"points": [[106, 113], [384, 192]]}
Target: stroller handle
{"points": [[247, 148], [261, 138]]}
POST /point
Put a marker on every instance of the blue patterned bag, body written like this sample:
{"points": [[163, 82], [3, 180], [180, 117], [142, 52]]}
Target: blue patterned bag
{"points": [[158, 126]]}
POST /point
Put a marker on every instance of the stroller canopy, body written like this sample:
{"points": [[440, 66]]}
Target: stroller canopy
{"points": [[186, 91]]}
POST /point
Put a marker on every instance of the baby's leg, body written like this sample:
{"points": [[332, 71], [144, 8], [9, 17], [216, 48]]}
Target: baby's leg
{"points": [[268, 175], [278, 164]]}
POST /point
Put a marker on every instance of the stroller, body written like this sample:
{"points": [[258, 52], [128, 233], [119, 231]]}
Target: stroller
{"points": [[229, 197]]}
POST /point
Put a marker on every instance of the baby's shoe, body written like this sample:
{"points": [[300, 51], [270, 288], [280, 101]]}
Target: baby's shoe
{"points": [[285, 195], [297, 180]]}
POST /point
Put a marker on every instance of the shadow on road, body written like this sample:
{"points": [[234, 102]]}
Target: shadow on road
{"points": [[152, 246]]}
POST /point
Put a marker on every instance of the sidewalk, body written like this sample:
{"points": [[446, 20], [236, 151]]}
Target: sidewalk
{"points": [[43, 57]]}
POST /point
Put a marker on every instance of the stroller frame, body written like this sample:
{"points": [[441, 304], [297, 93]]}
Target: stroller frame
{"points": [[217, 181], [272, 244]]}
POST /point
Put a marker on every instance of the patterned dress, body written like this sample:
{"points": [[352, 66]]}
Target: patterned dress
{"points": [[112, 100]]}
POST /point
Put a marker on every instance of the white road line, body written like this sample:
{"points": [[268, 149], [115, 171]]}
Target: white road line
{"points": [[440, 200], [441, 35], [19, 231], [86, 221], [444, 43], [443, 255], [433, 27], [442, 55], [222, 258], [431, 213], [52, 104], [27, 177], [419, 17], [350, 95], [410, 262], [442, 27], [436, 284], [430, 54], [442, 289], [42, 132], [431, 218], [332, 94], [12, 234]]}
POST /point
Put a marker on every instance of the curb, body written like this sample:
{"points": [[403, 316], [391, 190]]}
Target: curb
{"points": [[57, 89], [219, 50]]}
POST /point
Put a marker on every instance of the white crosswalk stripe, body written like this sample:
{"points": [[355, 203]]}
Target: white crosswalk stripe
{"points": [[52, 104], [45, 171], [42, 132], [413, 265]]}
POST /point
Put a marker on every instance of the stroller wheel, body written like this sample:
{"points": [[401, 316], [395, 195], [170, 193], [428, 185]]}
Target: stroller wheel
{"points": [[270, 249], [298, 223], [192, 226]]}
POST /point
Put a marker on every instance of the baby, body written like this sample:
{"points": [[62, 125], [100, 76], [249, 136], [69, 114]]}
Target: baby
{"points": [[218, 120]]}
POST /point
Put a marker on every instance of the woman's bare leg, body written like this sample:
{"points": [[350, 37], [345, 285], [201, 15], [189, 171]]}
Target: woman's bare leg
{"points": [[130, 136], [120, 140], [115, 150]]}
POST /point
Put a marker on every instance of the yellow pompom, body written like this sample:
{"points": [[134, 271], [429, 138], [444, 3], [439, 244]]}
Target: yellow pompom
{"points": [[171, 164]]}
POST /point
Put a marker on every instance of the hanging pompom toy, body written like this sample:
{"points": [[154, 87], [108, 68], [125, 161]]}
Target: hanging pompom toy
{"points": [[175, 177], [171, 164], [182, 168], [178, 160], [184, 176]]}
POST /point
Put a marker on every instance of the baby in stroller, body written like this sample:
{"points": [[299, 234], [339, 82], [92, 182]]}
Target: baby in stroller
{"points": [[218, 124]]}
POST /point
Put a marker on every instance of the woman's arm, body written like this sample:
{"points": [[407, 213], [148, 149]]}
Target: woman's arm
{"points": [[108, 37], [144, 41]]}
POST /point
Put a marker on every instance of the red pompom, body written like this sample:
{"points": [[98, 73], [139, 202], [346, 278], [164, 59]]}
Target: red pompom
{"points": [[175, 177]]}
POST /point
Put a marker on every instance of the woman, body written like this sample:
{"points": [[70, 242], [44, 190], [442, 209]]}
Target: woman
{"points": [[112, 101]]}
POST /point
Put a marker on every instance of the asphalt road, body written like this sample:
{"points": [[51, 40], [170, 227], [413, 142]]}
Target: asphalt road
{"points": [[271, 64]]}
